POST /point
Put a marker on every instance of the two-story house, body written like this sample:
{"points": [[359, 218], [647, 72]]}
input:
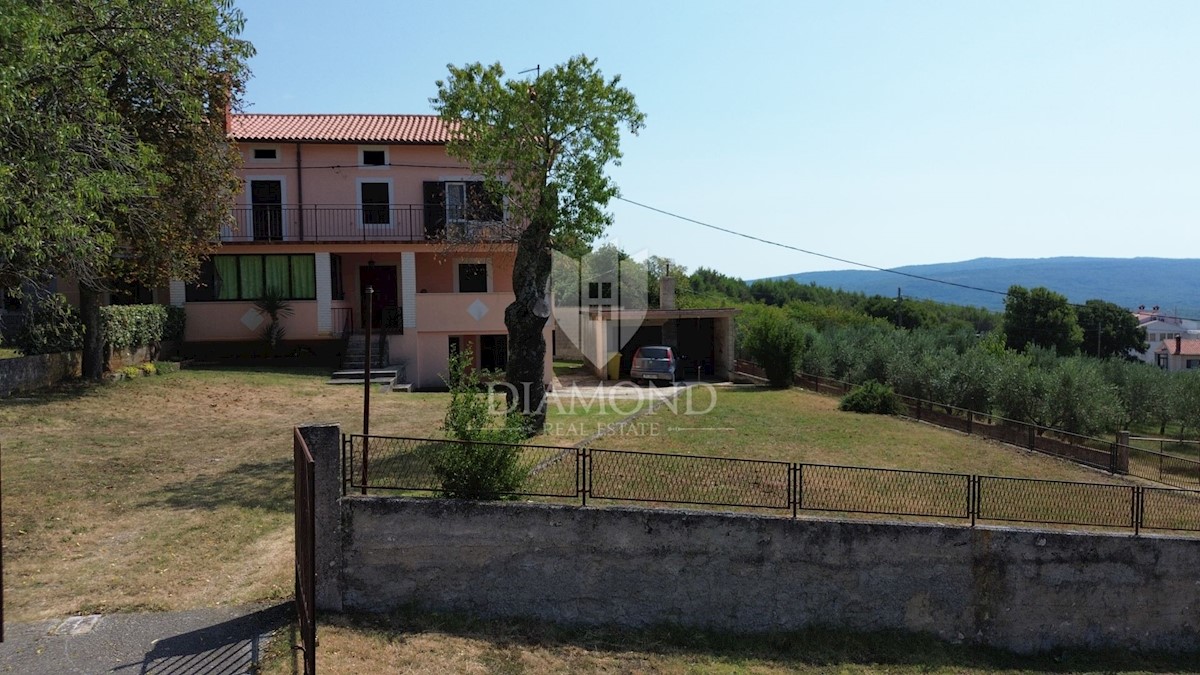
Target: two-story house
{"points": [[334, 204]]}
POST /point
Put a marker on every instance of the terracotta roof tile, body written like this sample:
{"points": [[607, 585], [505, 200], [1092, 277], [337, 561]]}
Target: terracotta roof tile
{"points": [[1188, 347], [416, 129]]}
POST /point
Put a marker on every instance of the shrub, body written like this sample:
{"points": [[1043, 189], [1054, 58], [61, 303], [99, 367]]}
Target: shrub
{"points": [[132, 326], [871, 397], [131, 372], [166, 367], [148, 368], [52, 325], [488, 465], [776, 343], [176, 322]]}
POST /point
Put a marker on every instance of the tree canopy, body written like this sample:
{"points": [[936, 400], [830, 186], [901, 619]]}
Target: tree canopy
{"points": [[1110, 330], [116, 165], [543, 145], [1040, 317]]}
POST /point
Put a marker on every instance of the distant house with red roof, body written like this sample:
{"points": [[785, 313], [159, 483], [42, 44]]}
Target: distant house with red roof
{"points": [[1162, 327], [1178, 354], [334, 204]]}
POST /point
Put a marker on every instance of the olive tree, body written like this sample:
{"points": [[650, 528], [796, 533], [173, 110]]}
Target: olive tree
{"points": [[541, 145]]}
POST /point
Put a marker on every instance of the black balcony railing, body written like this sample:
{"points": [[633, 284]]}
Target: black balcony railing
{"points": [[273, 223]]}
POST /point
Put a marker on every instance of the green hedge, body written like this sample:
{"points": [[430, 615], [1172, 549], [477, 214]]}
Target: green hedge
{"points": [[51, 325], [131, 326]]}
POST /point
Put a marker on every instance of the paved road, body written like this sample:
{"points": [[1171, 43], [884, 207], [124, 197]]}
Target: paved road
{"points": [[222, 641]]}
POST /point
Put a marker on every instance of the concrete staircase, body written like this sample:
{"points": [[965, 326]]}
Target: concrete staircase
{"points": [[353, 371], [355, 355]]}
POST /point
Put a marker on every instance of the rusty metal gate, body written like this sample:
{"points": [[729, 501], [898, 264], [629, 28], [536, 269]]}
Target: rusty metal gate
{"points": [[306, 580]]}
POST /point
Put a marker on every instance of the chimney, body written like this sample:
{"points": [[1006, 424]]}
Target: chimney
{"points": [[1178, 343], [666, 292]]}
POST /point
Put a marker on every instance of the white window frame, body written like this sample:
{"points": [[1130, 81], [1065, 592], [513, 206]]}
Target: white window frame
{"points": [[447, 181], [358, 198], [473, 261], [462, 186], [387, 158], [257, 160]]}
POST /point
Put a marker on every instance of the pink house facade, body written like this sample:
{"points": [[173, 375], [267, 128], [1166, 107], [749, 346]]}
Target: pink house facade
{"points": [[333, 204]]}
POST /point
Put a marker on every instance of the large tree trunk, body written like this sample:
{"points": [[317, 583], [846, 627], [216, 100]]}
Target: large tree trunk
{"points": [[526, 342], [93, 342]]}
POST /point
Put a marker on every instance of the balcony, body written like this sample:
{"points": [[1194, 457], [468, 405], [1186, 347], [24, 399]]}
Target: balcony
{"points": [[327, 223]]}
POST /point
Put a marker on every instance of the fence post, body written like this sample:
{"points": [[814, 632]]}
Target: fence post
{"points": [[324, 442], [973, 498], [792, 491], [799, 504], [1139, 509], [1031, 432], [581, 458], [970, 422], [1121, 453]]}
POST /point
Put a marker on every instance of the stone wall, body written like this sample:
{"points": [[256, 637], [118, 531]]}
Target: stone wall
{"points": [[1022, 590], [27, 373]]}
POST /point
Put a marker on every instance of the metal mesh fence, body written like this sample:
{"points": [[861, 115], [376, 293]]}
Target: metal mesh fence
{"points": [[1057, 502], [886, 491], [1164, 468], [417, 465], [1165, 509], [654, 477]]}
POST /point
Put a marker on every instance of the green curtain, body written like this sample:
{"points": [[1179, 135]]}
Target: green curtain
{"points": [[227, 277], [252, 276], [304, 277], [277, 275]]}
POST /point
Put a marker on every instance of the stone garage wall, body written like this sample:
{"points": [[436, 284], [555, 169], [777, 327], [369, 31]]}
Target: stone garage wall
{"points": [[1022, 590]]}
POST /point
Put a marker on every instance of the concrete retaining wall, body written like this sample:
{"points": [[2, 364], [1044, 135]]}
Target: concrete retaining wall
{"points": [[27, 373], [1016, 589]]}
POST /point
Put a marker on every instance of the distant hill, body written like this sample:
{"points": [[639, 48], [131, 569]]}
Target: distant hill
{"points": [[1172, 284]]}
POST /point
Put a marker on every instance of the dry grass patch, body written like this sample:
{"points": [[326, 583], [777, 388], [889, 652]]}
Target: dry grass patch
{"points": [[167, 492], [439, 644]]}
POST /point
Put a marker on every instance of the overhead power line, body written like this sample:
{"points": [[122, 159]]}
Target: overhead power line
{"points": [[826, 256]]}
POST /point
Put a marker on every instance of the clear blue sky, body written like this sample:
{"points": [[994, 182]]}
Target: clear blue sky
{"points": [[892, 133]]}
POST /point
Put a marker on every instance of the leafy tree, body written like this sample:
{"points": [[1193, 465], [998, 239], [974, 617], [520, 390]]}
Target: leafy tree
{"points": [[1109, 330], [1080, 401], [1185, 401], [1019, 390], [116, 165], [543, 146], [1143, 390], [776, 343], [964, 381], [1040, 317]]}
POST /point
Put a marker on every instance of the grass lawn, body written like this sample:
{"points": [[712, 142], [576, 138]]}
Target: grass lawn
{"points": [[168, 492], [415, 643], [171, 492], [799, 426]]}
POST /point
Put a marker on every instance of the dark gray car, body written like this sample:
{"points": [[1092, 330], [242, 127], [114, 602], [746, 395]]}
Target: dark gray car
{"points": [[654, 363]]}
